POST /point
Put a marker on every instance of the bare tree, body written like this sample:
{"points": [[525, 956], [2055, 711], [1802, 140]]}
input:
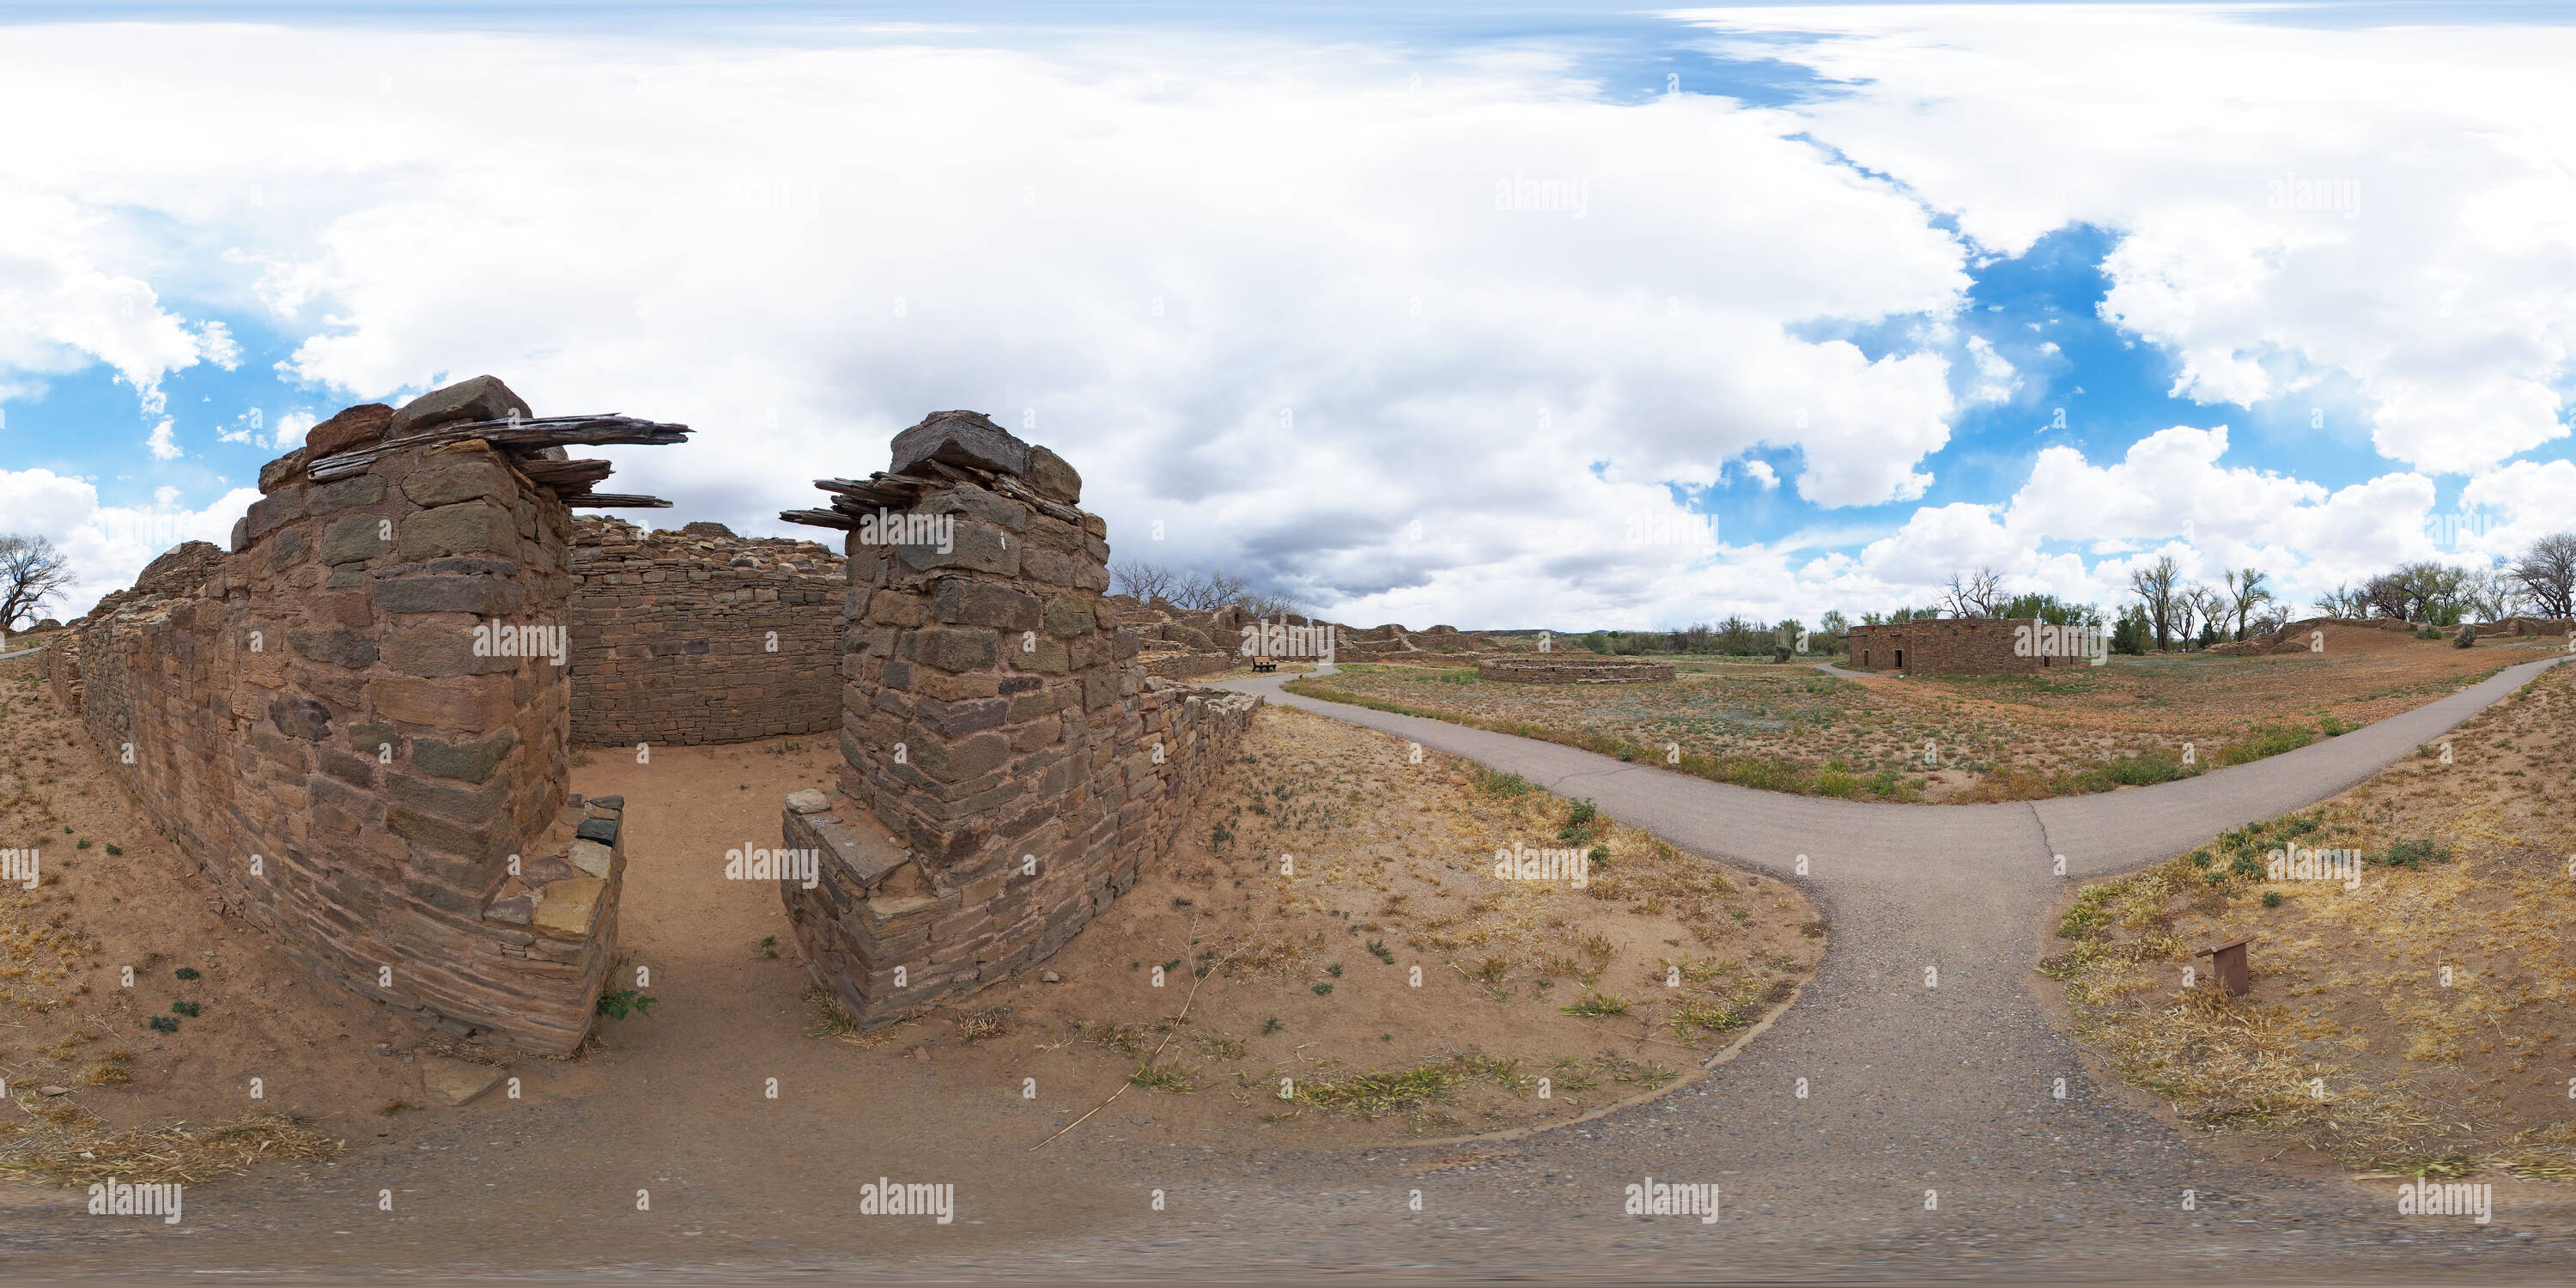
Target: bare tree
{"points": [[2245, 593], [1976, 596], [2547, 574], [31, 572], [1204, 591], [1270, 605], [1143, 580], [2156, 585]]}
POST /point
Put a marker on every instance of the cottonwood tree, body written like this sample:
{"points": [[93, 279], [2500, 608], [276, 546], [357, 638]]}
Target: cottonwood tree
{"points": [[2547, 574], [31, 572], [2245, 593], [2205, 605], [2158, 587], [1976, 595]]}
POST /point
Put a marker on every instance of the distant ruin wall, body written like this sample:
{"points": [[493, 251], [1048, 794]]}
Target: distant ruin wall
{"points": [[1008, 765], [699, 636], [1547, 669], [334, 730]]}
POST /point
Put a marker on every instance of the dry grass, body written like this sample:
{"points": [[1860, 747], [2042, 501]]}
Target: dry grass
{"points": [[2421, 1023], [2001, 737], [188, 1155]]}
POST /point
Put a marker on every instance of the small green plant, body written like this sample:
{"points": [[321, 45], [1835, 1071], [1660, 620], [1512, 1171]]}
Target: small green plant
{"points": [[2414, 854], [1334, 970], [1378, 949], [2271, 898], [112, 849], [186, 972], [617, 1004], [188, 1009], [1323, 989], [162, 1024], [1598, 1004], [84, 844], [1271, 1026], [769, 945]]}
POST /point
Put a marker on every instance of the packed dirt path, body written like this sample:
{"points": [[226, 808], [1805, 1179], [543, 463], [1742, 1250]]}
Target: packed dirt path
{"points": [[1929, 1140]]}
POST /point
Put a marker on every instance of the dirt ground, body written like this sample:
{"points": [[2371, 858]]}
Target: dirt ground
{"points": [[2421, 1023], [1385, 984], [2132, 722], [113, 896], [1390, 853]]}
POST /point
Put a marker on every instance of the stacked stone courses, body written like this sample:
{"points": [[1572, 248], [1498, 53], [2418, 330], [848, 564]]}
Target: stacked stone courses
{"points": [[316, 728], [1008, 764], [1549, 668], [1948, 646], [696, 635]]}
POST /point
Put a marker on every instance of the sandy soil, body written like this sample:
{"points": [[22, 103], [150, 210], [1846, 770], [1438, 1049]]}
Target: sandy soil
{"points": [[1398, 987], [69, 1019], [2435, 1001]]}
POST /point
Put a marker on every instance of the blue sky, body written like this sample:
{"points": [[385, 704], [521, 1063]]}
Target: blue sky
{"points": [[1827, 274]]}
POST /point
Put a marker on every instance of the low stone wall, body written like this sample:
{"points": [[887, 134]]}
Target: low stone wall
{"points": [[1185, 666], [345, 726], [698, 636], [1550, 669], [1008, 764]]}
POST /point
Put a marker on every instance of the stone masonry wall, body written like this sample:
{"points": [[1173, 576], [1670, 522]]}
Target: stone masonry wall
{"points": [[317, 728], [1008, 765], [696, 635], [1946, 646]]}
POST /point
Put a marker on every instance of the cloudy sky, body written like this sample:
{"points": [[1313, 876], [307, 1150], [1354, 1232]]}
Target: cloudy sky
{"points": [[1547, 315]]}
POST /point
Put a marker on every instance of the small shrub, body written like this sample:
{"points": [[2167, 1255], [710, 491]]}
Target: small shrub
{"points": [[619, 1003], [1598, 1004], [163, 1024], [2271, 898], [2414, 854], [188, 1009], [185, 972], [2468, 635], [1323, 989], [112, 849]]}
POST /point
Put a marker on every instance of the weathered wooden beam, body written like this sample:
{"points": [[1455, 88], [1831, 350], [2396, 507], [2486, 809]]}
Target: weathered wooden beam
{"points": [[523, 435], [615, 501], [820, 519]]}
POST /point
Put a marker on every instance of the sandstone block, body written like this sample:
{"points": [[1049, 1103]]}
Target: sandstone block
{"points": [[966, 438], [469, 527], [352, 428], [481, 398]]}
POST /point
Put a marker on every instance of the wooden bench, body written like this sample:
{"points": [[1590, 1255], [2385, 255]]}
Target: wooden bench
{"points": [[1265, 664]]}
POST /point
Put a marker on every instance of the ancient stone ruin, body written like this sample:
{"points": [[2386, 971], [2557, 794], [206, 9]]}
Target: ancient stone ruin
{"points": [[697, 635], [353, 722], [1572, 668], [1956, 646], [1008, 764]]}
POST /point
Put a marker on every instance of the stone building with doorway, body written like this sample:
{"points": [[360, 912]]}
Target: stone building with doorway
{"points": [[1963, 646]]}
